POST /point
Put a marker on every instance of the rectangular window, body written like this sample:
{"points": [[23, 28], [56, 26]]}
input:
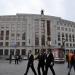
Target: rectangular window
{"points": [[23, 52], [70, 45], [1, 43], [59, 44], [17, 43], [1, 51], [12, 51], [73, 45], [58, 28], [2, 33], [17, 51], [36, 40], [1, 37], [67, 44], [23, 43], [24, 36], [59, 36], [6, 52], [7, 38], [66, 36], [7, 32], [43, 40], [6, 43]]}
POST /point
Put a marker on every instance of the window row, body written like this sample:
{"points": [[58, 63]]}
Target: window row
{"points": [[65, 29], [66, 36], [12, 51], [12, 35], [65, 23], [67, 44], [17, 44]]}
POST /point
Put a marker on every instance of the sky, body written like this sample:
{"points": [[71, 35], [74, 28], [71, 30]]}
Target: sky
{"points": [[58, 8]]}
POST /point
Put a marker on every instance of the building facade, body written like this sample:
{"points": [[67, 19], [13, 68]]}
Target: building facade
{"points": [[23, 32]]}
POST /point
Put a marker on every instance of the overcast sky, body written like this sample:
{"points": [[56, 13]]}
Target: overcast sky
{"points": [[59, 8]]}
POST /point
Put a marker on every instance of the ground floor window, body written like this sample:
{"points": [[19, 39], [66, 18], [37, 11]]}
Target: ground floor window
{"points": [[6, 52], [1, 51], [18, 51], [23, 52], [12, 51]]}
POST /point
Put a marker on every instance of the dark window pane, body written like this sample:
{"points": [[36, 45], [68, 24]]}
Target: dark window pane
{"points": [[6, 43], [43, 40], [17, 43], [17, 51], [7, 38], [23, 52], [6, 52], [12, 51], [36, 41], [2, 33], [23, 43], [23, 36], [1, 51], [1, 43], [7, 32], [1, 38]]}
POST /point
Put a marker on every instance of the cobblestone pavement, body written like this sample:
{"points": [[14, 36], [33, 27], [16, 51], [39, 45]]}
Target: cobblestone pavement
{"points": [[19, 69]]}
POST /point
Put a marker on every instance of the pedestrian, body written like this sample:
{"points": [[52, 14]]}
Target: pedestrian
{"points": [[68, 58], [10, 58], [30, 63], [16, 59], [19, 58], [49, 62], [41, 62], [72, 63]]}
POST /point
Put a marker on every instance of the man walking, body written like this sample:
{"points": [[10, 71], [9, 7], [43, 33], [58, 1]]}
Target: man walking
{"points": [[41, 62], [49, 62], [10, 58], [16, 59], [30, 63], [72, 63]]}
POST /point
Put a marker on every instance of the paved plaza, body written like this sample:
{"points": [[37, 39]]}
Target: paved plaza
{"points": [[19, 69]]}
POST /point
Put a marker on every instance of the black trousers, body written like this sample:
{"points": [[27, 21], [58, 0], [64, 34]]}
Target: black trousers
{"points": [[16, 61], [51, 68], [32, 67], [10, 60], [40, 67], [70, 67]]}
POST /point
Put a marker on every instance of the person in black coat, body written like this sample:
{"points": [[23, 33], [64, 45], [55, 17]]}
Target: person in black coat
{"points": [[30, 63], [72, 63], [41, 62], [10, 58], [16, 58], [49, 62]]}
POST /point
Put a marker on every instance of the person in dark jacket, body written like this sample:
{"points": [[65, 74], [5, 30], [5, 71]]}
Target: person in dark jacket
{"points": [[72, 63], [41, 62], [16, 59], [10, 58], [30, 63], [49, 62]]}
